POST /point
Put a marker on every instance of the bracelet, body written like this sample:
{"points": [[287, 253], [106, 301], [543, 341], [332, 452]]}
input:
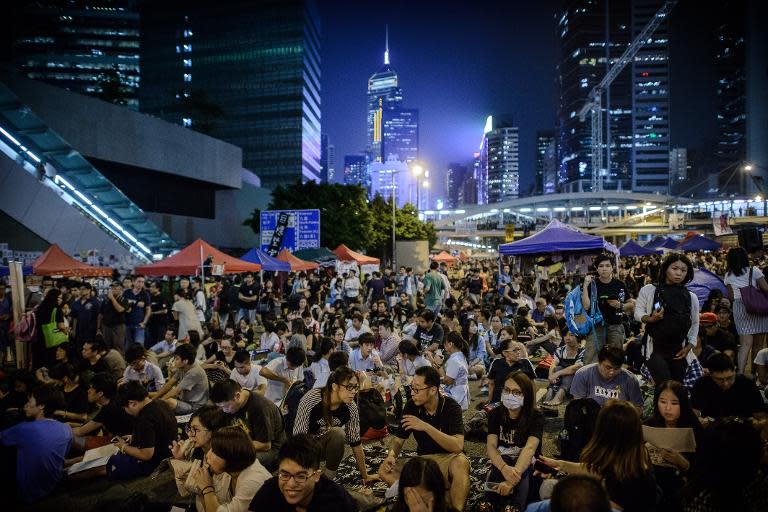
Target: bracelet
{"points": [[209, 492], [208, 487]]}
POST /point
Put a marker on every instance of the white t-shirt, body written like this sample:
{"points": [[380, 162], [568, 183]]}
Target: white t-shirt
{"points": [[456, 368], [188, 320], [269, 340], [321, 371], [738, 282], [251, 381], [412, 366], [276, 390]]}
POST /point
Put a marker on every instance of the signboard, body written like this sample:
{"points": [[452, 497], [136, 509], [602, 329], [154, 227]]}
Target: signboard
{"points": [[301, 230], [509, 232]]}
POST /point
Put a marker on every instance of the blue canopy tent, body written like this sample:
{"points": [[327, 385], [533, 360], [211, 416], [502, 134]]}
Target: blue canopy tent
{"points": [[632, 248], [704, 282], [557, 237], [266, 261], [669, 243], [6, 271], [655, 242], [699, 243]]}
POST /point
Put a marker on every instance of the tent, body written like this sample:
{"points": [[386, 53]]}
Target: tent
{"points": [[655, 242], [344, 253], [187, 262], [556, 237], [55, 262], [632, 248], [321, 255], [699, 243], [444, 257], [295, 263], [669, 243], [266, 261], [704, 282]]}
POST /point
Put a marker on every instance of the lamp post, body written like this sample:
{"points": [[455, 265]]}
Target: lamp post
{"points": [[394, 212], [417, 171]]}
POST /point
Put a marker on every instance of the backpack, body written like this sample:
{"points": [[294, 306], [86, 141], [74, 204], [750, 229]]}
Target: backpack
{"points": [[26, 329], [373, 415], [578, 425], [580, 322], [672, 330], [290, 404]]}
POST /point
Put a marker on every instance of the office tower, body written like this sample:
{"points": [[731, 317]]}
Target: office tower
{"points": [[499, 159], [356, 170], [454, 184], [251, 78], [87, 46], [678, 164], [593, 34], [400, 134], [331, 163], [469, 191], [324, 158], [393, 173], [546, 179]]}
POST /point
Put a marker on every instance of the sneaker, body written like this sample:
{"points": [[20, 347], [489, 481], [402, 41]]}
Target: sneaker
{"points": [[484, 391], [472, 376]]}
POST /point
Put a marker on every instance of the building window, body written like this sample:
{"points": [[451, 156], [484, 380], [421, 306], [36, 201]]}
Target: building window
{"points": [[187, 32], [187, 63], [187, 47], [187, 77], [186, 122]]}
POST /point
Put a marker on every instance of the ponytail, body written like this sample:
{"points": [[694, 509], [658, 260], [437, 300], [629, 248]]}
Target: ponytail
{"points": [[457, 340], [338, 376]]}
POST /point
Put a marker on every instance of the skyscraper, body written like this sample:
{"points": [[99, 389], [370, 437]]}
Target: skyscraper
{"points": [[593, 34], [252, 78], [331, 163], [356, 170], [324, 158], [500, 159], [87, 46], [400, 134], [546, 179], [454, 184]]}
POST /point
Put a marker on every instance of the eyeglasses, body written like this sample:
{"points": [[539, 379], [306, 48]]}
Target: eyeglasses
{"points": [[515, 392], [193, 431], [352, 388], [299, 478], [418, 390]]}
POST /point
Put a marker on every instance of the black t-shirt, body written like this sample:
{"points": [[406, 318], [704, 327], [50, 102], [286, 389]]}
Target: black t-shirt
{"points": [[328, 497], [109, 315], [721, 340], [221, 357], [426, 338], [114, 419], [636, 494], [742, 399], [76, 400], [447, 419], [511, 440], [249, 291], [500, 369], [377, 286], [98, 367], [159, 303], [155, 426], [262, 420], [613, 290], [475, 286]]}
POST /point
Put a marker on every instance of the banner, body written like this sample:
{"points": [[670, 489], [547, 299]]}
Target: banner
{"points": [[721, 224], [509, 232], [279, 233]]}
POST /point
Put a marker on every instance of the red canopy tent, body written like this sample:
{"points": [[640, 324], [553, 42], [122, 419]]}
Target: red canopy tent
{"points": [[188, 261], [344, 253], [444, 257], [296, 263], [55, 262]]}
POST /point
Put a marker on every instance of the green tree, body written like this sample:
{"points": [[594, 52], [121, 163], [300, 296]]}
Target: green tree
{"points": [[408, 227]]}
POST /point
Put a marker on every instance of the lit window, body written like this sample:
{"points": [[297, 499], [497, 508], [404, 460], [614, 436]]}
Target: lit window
{"points": [[187, 77], [187, 63], [186, 122], [187, 47], [187, 33]]}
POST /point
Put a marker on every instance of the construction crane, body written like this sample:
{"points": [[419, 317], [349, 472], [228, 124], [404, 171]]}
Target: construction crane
{"points": [[594, 103]]}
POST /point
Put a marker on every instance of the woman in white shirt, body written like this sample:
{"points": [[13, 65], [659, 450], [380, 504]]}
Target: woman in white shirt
{"points": [[409, 360], [740, 275], [184, 311], [320, 368], [455, 375]]}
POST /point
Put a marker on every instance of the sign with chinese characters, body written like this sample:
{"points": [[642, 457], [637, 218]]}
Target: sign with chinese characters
{"points": [[291, 229]]}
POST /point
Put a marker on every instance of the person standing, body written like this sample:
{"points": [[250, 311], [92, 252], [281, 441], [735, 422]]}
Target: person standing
{"points": [[139, 311], [158, 319], [111, 322], [433, 289], [611, 295], [351, 288], [248, 295], [184, 312], [85, 311]]}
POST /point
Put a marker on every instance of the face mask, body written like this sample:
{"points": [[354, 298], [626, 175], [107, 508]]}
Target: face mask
{"points": [[511, 401]]}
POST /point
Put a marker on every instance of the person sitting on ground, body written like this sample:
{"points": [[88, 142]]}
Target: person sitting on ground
{"points": [[93, 360], [337, 360], [365, 358], [331, 415], [421, 488], [165, 347], [723, 393], [760, 364], [616, 453], [357, 328], [515, 431], [41, 445], [409, 360], [548, 341], [575, 493], [429, 334], [111, 418], [154, 430], [230, 454], [282, 372], [567, 360], [300, 485], [320, 368], [76, 404], [455, 376], [477, 350], [606, 379], [260, 418], [141, 370], [717, 337], [389, 342], [512, 359], [187, 389], [436, 423], [223, 358], [247, 374]]}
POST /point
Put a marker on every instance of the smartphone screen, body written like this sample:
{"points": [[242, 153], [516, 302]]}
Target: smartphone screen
{"points": [[544, 468]]}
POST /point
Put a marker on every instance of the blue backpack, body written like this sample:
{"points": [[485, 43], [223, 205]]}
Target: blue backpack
{"points": [[580, 322]]}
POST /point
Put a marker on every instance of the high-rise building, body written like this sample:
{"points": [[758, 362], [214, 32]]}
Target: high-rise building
{"points": [[546, 177], [324, 158], [356, 170], [593, 34], [678, 165], [454, 184], [500, 159], [390, 174], [251, 78], [470, 188], [400, 134], [331, 163], [87, 46]]}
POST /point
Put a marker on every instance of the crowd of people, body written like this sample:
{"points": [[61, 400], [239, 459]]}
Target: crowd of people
{"points": [[255, 387]]}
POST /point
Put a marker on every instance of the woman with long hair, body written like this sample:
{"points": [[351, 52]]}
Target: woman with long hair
{"points": [[670, 313], [320, 368], [752, 328], [455, 375], [421, 488], [49, 308], [330, 414], [616, 454], [567, 360], [477, 351], [672, 409], [515, 430]]}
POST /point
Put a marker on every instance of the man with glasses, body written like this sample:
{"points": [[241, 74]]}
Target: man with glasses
{"points": [[723, 393], [258, 417], [300, 484], [435, 420], [606, 379]]}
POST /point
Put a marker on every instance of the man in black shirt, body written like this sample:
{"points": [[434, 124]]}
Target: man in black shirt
{"points": [[111, 321], [249, 298], [111, 418], [300, 484], [723, 393], [429, 334], [717, 337], [475, 286], [611, 298], [259, 417], [158, 319], [375, 287], [435, 420]]}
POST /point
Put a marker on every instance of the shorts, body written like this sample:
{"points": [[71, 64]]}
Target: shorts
{"points": [[124, 467], [444, 461], [183, 408]]}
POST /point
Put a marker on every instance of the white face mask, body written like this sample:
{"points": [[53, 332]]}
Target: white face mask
{"points": [[511, 401]]}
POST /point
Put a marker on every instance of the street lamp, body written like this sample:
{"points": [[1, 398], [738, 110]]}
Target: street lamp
{"points": [[417, 171], [394, 207]]}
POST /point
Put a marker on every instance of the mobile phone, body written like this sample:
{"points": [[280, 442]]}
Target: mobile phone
{"points": [[491, 486], [541, 467], [657, 306]]}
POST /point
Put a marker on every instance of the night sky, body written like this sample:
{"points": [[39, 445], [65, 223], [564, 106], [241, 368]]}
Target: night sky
{"points": [[460, 61]]}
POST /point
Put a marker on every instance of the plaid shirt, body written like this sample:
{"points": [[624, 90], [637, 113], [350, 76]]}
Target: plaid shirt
{"points": [[693, 372]]}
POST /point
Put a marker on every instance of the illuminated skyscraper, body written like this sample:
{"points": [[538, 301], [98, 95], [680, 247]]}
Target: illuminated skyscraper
{"points": [[546, 176], [500, 159], [356, 170]]}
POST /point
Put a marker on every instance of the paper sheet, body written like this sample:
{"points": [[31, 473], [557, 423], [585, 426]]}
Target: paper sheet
{"points": [[97, 453], [678, 439]]}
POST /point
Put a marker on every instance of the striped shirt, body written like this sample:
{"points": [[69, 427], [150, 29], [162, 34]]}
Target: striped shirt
{"points": [[310, 420]]}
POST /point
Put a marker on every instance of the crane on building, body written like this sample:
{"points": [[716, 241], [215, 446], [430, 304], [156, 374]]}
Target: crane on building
{"points": [[594, 105]]}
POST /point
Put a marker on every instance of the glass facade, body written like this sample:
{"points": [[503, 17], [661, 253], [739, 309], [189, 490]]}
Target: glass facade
{"points": [[546, 182], [454, 184], [251, 79], [356, 170], [400, 134], [86, 46], [500, 160]]}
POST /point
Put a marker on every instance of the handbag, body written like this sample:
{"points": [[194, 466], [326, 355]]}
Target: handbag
{"points": [[52, 334], [755, 300]]}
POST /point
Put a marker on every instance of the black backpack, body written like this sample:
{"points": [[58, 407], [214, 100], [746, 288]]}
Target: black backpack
{"points": [[672, 330], [292, 398], [578, 426]]}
